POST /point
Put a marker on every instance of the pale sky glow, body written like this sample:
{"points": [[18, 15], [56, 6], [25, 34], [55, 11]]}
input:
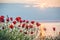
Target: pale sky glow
{"points": [[35, 3]]}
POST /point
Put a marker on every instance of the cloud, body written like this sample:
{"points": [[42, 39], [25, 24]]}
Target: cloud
{"points": [[35, 3], [27, 6]]}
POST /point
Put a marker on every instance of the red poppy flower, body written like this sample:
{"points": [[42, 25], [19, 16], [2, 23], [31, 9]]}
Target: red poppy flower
{"points": [[23, 20], [25, 32], [23, 25], [19, 25], [14, 22], [59, 33], [32, 32], [18, 19], [11, 26], [44, 29], [32, 22], [7, 19], [31, 26], [27, 26], [2, 16], [53, 28], [11, 18], [27, 21], [38, 24], [1, 20]]}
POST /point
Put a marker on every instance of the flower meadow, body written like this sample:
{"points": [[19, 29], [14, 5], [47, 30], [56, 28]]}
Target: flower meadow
{"points": [[17, 28], [20, 29]]}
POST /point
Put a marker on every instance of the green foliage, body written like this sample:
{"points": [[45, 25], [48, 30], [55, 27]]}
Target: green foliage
{"points": [[13, 35]]}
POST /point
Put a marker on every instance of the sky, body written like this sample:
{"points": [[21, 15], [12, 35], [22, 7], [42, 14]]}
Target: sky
{"points": [[42, 10], [38, 3]]}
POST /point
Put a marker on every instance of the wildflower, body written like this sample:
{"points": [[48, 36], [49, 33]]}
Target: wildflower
{"points": [[23, 25], [31, 26], [19, 25], [14, 22], [11, 18], [23, 20], [3, 27], [59, 33], [18, 19], [32, 32], [27, 26], [32, 22], [20, 30], [25, 32], [27, 21], [7, 19], [11, 26], [53, 28], [1, 18], [38, 24]]}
